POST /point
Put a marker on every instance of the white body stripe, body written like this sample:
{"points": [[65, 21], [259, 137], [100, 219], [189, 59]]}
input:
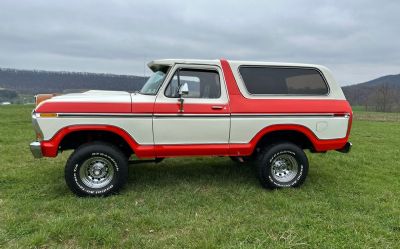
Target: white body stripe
{"points": [[191, 130], [203, 129]]}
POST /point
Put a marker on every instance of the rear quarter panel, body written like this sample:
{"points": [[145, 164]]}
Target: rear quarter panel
{"points": [[328, 117]]}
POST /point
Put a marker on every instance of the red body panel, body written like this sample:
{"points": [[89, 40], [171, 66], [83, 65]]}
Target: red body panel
{"points": [[192, 150], [190, 108], [142, 108]]}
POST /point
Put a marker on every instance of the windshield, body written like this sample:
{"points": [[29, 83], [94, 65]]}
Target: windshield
{"points": [[153, 83]]}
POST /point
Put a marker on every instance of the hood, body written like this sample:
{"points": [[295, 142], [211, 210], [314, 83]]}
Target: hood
{"points": [[93, 101], [95, 96]]}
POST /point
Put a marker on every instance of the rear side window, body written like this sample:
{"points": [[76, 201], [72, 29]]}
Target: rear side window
{"points": [[283, 80]]}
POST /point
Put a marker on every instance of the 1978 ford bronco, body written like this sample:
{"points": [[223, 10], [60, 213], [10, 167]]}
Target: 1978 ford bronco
{"points": [[264, 112]]}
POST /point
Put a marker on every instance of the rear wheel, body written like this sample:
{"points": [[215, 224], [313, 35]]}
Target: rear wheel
{"points": [[282, 165], [96, 169]]}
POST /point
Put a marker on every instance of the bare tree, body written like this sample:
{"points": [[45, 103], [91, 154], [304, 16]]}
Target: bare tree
{"points": [[396, 99], [366, 101], [383, 98]]}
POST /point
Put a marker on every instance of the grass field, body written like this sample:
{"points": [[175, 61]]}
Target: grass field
{"points": [[348, 201]]}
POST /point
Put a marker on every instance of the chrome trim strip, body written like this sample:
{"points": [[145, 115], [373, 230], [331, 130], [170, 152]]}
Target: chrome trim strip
{"points": [[283, 116], [197, 115], [272, 115], [104, 115], [194, 115], [158, 115], [254, 115]]}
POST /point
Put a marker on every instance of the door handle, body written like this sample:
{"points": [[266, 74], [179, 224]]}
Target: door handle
{"points": [[217, 107]]}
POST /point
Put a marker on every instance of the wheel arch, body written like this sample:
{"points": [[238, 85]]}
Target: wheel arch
{"points": [[70, 137], [297, 134]]}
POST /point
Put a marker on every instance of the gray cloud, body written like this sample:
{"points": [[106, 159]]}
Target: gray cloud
{"points": [[357, 39]]}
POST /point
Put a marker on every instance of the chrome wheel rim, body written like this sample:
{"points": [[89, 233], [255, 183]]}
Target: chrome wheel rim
{"points": [[96, 172], [284, 168]]}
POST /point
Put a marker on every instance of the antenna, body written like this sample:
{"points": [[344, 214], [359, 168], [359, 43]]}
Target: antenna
{"points": [[144, 69]]}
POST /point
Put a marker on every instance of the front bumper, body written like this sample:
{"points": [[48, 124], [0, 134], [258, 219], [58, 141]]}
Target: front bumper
{"points": [[346, 148], [36, 149]]}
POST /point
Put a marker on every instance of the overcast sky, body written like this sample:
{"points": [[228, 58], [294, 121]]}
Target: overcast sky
{"points": [[358, 40]]}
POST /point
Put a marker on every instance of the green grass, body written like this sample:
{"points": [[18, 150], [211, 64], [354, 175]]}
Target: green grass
{"points": [[348, 201]]}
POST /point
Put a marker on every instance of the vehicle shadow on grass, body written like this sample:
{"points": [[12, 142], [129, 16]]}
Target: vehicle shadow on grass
{"points": [[196, 171], [218, 172]]}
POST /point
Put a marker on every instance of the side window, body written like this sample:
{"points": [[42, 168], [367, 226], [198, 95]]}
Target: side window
{"points": [[202, 84], [283, 80]]}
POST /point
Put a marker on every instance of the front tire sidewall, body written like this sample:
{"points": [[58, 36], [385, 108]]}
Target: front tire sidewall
{"points": [[95, 191], [266, 175], [75, 162]]}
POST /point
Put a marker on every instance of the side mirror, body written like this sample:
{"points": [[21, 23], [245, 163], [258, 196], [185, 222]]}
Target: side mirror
{"points": [[183, 90]]}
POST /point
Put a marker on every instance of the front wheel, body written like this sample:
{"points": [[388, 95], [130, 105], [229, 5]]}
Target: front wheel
{"points": [[96, 169], [282, 165]]}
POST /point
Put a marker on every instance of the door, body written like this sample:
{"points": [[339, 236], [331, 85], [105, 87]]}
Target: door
{"points": [[196, 123]]}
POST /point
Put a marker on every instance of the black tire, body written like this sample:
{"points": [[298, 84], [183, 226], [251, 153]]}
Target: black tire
{"points": [[282, 165], [92, 160]]}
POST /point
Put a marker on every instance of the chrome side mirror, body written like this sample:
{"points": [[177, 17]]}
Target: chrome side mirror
{"points": [[183, 90]]}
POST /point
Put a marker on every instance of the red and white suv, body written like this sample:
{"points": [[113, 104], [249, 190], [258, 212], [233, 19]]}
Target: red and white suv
{"points": [[264, 112]]}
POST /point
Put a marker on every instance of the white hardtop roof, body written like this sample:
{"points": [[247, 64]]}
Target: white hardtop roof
{"points": [[155, 64]]}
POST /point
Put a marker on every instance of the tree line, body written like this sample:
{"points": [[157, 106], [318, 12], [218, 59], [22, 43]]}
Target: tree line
{"points": [[381, 96], [34, 82]]}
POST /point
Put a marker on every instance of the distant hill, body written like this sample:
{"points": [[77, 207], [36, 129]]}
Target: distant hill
{"points": [[381, 94], [33, 81], [392, 80]]}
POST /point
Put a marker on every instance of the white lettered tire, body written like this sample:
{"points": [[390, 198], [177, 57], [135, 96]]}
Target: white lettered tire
{"points": [[282, 165], [96, 169]]}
